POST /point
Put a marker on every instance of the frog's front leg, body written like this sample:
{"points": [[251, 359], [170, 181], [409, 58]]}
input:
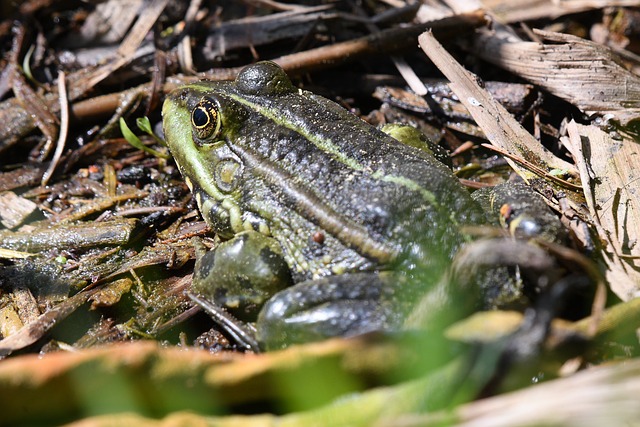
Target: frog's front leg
{"points": [[242, 274], [232, 281], [333, 306]]}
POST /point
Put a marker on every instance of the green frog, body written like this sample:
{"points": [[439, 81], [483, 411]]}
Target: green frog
{"points": [[333, 227]]}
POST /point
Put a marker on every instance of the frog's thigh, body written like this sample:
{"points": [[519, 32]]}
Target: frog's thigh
{"points": [[343, 305]]}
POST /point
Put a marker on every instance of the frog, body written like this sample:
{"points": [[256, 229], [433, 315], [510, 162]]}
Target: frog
{"points": [[358, 224]]}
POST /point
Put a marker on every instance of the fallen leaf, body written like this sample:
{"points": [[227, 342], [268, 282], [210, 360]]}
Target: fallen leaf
{"points": [[610, 174]]}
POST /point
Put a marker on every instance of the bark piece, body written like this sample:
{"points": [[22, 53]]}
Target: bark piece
{"points": [[14, 210], [610, 174], [583, 73]]}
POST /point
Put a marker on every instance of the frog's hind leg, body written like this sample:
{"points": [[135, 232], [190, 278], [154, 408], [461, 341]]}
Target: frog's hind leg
{"points": [[343, 305]]}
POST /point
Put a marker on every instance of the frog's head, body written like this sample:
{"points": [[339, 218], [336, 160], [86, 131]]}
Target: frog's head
{"points": [[202, 122]]}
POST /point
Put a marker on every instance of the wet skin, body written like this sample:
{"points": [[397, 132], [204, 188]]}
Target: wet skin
{"points": [[340, 226]]}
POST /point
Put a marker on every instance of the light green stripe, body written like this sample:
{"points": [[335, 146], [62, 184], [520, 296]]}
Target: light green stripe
{"points": [[412, 185], [328, 146], [323, 144]]}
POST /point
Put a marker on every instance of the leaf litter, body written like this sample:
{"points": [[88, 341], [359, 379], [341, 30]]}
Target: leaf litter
{"points": [[75, 250]]}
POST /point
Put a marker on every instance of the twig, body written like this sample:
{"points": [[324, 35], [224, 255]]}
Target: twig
{"points": [[501, 129], [393, 40], [533, 168], [64, 127]]}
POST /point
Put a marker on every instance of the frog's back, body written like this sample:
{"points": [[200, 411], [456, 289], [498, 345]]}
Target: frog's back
{"points": [[343, 200], [310, 166], [394, 190]]}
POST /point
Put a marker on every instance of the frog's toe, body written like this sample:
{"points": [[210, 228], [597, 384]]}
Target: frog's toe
{"points": [[344, 305]]}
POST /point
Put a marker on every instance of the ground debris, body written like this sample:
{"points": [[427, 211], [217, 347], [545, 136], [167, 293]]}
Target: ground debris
{"points": [[96, 238]]}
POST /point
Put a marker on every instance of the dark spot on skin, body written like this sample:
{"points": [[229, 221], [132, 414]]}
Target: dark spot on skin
{"points": [[272, 259], [220, 295], [267, 254], [206, 264], [318, 237], [243, 282]]}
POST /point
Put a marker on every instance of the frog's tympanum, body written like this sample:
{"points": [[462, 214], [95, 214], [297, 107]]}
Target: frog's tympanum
{"points": [[356, 224]]}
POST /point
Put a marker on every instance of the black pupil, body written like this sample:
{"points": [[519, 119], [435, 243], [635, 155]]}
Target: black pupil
{"points": [[200, 117]]}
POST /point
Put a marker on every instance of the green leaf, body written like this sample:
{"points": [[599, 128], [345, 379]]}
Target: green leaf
{"points": [[133, 139], [145, 126]]}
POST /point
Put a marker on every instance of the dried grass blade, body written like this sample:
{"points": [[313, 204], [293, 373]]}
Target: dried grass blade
{"points": [[509, 11], [579, 71], [64, 127], [501, 129], [37, 108], [35, 330], [127, 49], [610, 173]]}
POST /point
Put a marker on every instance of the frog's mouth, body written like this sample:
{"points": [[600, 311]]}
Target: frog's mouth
{"points": [[192, 163], [222, 215]]}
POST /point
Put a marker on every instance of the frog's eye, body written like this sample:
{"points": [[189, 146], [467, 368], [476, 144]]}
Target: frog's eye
{"points": [[205, 120]]}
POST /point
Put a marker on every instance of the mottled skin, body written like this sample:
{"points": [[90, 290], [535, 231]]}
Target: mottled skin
{"points": [[522, 211], [338, 195]]}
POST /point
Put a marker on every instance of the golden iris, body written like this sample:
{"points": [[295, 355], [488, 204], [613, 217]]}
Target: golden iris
{"points": [[205, 120]]}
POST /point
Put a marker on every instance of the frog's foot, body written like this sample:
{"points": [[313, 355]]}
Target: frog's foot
{"points": [[243, 333], [343, 305]]}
